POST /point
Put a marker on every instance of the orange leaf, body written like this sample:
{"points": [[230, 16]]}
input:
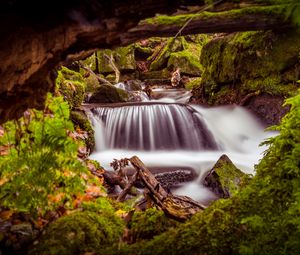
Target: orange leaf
{"points": [[5, 215]]}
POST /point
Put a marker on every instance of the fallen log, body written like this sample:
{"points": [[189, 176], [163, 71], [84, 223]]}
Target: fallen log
{"points": [[177, 207]]}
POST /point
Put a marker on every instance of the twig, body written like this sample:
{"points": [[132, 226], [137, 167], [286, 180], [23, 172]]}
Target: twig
{"points": [[190, 19]]}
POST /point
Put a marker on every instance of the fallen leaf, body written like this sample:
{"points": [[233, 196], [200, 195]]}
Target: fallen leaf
{"points": [[5, 215]]}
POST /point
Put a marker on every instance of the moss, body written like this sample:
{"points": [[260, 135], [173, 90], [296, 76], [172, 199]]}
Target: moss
{"points": [[123, 58], [193, 83], [234, 60], [162, 74], [71, 85], [79, 233], [109, 94], [91, 62], [180, 20], [80, 119], [145, 225], [186, 61], [225, 179], [145, 50], [161, 60]]}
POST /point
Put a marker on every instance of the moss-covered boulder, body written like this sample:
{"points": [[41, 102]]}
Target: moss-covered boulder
{"points": [[80, 233], [147, 224], [225, 179], [71, 85], [156, 75], [123, 58], [163, 52], [186, 61], [193, 83], [80, 120], [108, 94], [250, 61]]}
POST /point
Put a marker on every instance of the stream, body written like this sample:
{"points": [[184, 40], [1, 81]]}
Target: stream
{"points": [[169, 134]]}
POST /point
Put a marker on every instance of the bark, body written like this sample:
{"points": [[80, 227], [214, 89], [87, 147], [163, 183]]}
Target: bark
{"points": [[246, 19], [177, 207]]}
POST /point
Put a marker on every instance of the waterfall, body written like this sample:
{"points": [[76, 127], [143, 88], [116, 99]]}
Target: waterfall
{"points": [[154, 127], [177, 136]]}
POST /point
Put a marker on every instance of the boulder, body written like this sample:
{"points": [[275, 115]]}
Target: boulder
{"points": [[123, 57], [224, 179], [108, 94], [72, 86], [231, 66]]}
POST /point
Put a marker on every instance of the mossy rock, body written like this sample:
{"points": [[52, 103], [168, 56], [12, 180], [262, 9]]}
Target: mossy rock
{"points": [[187, 62], [108, 94], [80, 233], [147, 224], [91, 62], [156, 75], [172, 45], [251, 61], [80, 119], [123, 57], [72, 86], [193, 83], [225, 179]]}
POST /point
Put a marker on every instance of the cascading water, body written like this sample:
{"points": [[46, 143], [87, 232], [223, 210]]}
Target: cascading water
{"points": [[154, 127], [176, 135]]}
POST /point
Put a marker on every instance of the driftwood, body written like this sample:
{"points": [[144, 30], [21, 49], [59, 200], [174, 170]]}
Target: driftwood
{"points": [[177, 207]]}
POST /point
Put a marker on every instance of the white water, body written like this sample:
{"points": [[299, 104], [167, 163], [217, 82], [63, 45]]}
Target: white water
{"points": [[237, 133]]}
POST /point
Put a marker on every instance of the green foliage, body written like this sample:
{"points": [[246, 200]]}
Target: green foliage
{"points": [[72, 86], [42, 160], [294, 11], [80, 233], [145, 225]]}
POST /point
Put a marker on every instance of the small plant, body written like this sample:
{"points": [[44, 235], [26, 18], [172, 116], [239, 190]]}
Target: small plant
{"points": [[40, 169]]}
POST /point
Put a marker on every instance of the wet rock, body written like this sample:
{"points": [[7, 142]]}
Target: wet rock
{"points": [[224, 179], [108, 94], [24, 229], [172, 178], [268, 108]]}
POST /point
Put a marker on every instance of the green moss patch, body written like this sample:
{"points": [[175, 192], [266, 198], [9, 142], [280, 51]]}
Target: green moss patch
{"points": [[71, 85], [108, 94], [79, 233]]}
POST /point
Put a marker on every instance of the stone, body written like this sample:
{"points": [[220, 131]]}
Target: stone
{"points": [[108, 94], [224, 179]]}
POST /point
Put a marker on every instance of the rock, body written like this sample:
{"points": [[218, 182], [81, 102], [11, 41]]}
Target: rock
{"points": [[82, 122], [108, 94], [193, 83], [188, 62], [231, 66], [157, 75], [268, 108], [224, 179], [171, 178], [24, 229], [71, 85], [123, 57]]}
